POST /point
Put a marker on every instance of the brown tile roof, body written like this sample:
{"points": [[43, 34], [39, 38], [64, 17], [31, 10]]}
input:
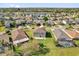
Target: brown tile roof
{"points": [[18, 34], [40, 29], [72, 33], [4, 37]]}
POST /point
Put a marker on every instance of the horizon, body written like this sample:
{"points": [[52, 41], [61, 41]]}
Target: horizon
{"points": [[39, 5]]}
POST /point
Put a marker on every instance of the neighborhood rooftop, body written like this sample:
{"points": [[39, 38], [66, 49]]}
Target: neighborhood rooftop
{"points": [[19, 35], [72, 33]]}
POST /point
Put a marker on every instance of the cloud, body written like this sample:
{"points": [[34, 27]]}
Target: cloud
{"points": [[14, 6], [17, 6], [11, 5]]}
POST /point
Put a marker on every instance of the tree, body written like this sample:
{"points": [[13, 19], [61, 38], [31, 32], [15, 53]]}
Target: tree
{"points": [[2, 22], [45, 18], [8, 32], [38, 24], [15, 49], [41, 45], [41, 51], [70, 26], [13, 24], [11, 44], [10, 18], [2, 42]]}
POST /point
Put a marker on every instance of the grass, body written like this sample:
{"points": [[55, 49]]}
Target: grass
{"points": [[49, 43], [2, 29], [56, 51], [29, 32], [76, 42]]}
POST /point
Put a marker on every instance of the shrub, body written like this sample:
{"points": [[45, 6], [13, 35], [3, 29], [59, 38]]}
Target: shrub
{"points": [[42, 50]]}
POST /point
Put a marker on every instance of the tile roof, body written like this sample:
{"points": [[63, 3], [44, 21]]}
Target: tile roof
{"points": [[4, 36], [40, 29], [18, 34], [72, 33]]}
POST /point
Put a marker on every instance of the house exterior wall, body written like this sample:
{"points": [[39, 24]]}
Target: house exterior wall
{"points": [[20, 41], [39, 34], [66, 43]]}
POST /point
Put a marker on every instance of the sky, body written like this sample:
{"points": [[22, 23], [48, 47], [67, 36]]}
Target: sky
{"points": [[39, 5], [39, 1]]}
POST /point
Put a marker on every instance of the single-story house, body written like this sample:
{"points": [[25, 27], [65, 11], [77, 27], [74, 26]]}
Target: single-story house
{"points": [[19, 36], [72, 34], [29, 21], [77, 20], [4, 37], [62, 39], [7, 23], [39, 33], [39, 21], [63, 22], [65, 43], [2, 14], [50, 22], [70, 21], [29, 17], [20, 22]]}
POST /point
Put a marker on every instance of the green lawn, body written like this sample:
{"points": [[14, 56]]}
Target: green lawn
{"points": [[76, 42], [56, 51], [2, 29], [49, 43], [29, 32]]}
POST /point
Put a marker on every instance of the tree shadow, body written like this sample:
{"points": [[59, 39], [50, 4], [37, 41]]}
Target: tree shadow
{"points": [[48, 35]]}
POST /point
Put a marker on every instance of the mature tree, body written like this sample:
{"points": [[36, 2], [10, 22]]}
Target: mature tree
{"points": [[2, 22], [45, 18], [12, 45], [42, 50]]}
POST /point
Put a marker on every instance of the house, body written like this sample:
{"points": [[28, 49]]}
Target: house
{"points": [[70, 21], [39, 21], [18, 22], [65, 43], [62, 39], [39, 33], [1, 15], [19, 36], [4, 37], [77, 20], [29, 21], [29, 16], [7, 24], [63, 22], [50, 22], [72, 34]]}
